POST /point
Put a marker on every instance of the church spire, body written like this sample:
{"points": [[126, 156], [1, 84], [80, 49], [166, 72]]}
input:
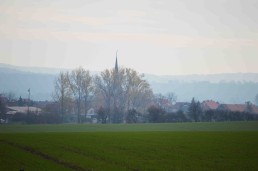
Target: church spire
{"points": [[116, 65]]}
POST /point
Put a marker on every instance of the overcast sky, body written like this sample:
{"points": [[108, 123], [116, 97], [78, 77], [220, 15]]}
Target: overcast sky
{"points": [[163, 37]]}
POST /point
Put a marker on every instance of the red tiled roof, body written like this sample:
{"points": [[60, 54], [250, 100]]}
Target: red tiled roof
{"points": [[236, 107], [254, 109], [210, 105], [240, 108]]}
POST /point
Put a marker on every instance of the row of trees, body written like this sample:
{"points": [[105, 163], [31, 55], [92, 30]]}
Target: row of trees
{"points": [[196, 114], [256, 99], [113, 92], [3, 109], [157, 113]]}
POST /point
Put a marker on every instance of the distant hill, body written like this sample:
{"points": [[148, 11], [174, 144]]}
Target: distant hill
{"points": [[18, 82], [225, 88], [39, 70], [213, 78]]}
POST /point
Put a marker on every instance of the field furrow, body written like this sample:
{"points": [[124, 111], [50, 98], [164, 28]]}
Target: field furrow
{"points": [[44, 156]]}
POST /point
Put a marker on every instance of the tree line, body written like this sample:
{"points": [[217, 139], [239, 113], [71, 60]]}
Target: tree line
{"points": [[114, 93], [195, 113], [117, 96]]}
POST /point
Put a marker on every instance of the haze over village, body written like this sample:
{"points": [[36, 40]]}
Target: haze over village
{"points": [[104, 85], [120, 95], [60, 57]]}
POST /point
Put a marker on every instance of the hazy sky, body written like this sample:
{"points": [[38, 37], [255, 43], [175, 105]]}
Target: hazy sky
{"points": [[152, 36]]}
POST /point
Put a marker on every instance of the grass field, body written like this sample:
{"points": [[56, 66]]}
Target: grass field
{"points": [[175, 146]]}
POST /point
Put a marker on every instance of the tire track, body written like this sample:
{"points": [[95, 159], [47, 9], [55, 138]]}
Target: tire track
{"points": [[103, 159], [45, 156]]}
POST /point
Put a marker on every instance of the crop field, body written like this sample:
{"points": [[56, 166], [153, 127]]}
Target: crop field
{"points": [[173, 146]]}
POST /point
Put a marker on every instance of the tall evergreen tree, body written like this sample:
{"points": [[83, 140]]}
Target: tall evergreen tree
{"points": [[195, 110]]}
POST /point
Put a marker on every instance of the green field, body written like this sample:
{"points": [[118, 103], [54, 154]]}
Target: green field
{"points": [[174, 146]]}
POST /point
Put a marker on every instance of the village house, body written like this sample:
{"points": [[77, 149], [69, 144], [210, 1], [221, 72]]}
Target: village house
{"points": [[180, 106], [239, 108], [209, 105], [91, 116], [11, 110], [212, 105]]}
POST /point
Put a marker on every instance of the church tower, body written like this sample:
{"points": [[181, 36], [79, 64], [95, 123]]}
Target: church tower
{"points": [[116, 65], [116, 118]]}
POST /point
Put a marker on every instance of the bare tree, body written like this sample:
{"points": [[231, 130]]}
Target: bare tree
{"points": [[159, 99], [88, 89], [104, 86], [171, 97], [256, 100], [79, 83], [118, 91], [122, 90], [119, 98], [138, 92], [11, 96], [62, 91]]}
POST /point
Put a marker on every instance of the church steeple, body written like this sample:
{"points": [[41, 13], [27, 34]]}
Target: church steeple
{"points": [[116, 65]]}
